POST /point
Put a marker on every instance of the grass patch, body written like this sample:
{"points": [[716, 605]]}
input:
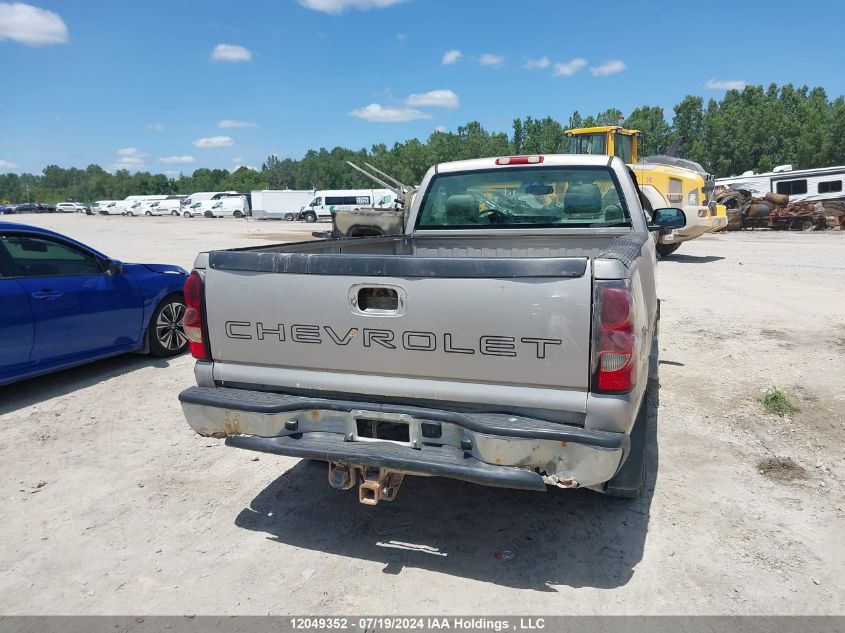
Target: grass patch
{"points": [[781, 468], [776, 401]]}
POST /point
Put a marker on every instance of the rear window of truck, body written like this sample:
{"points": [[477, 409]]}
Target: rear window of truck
{"points": [[520, 197]]}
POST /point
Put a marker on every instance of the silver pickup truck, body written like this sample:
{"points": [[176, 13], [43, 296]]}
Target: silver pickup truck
{"points": [[506, 339]]}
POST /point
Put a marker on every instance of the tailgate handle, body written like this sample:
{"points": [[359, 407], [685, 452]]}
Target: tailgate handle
{"points": [[378, 299]]}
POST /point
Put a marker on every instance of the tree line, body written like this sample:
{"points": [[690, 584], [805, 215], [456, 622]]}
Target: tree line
{"points": [[755, 128]]}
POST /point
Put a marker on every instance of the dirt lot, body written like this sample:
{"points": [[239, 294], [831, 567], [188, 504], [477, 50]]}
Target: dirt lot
{"points": [[112, 505]]}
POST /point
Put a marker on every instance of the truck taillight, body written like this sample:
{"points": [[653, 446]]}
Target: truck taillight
{"points": [[192, 324], [614, 360]]}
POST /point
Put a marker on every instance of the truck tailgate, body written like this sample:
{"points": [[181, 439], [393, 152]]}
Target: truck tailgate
{"points": [[362, 320]]}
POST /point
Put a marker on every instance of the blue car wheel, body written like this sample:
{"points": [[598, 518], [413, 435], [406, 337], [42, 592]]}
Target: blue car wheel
{"points": [[166, 335]]}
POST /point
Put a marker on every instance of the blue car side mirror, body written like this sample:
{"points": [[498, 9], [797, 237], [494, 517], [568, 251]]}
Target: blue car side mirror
{"points": [[114, 267], [669, 218]]}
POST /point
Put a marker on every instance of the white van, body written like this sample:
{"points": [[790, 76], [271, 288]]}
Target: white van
{"points": [[197, 209], [327, 202], [137, 205], [229, 206], [199, 196], [171, 206], [102, 206]]}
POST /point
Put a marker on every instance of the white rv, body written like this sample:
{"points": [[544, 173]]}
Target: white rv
{"points": [[277, 204], [801, 184], [325, 203]]}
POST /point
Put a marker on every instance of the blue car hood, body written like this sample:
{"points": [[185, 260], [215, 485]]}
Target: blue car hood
{"points": [[160, 268]]}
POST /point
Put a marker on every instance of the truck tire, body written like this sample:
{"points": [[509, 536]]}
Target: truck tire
{"points": [[148, 213], [808, 225], [238, 214], [664, 250], [209, 214], [630, 481], [310, 217], [289, 217], [187, 214]]}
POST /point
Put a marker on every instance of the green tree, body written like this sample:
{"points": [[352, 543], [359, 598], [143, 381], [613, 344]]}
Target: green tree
{"points": [[656, 132]]}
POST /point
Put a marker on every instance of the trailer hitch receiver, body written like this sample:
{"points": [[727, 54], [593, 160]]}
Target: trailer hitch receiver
{"points": [[378, 485]]}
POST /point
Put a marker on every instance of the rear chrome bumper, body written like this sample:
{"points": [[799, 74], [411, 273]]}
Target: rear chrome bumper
{"points": [[490, 449]]}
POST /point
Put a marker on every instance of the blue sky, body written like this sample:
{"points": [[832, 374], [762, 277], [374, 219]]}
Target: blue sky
{"points": [[147, 85]]}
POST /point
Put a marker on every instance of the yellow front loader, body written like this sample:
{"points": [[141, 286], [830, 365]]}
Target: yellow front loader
{"points": [[666, 181]]}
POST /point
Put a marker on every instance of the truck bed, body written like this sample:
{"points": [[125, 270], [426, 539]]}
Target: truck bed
{"points": [[545, 245]]}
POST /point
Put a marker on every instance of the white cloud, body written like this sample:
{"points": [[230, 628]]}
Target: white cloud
{"points": [[725, 84], [181, 160], [380, 114], [537, 64], [129, 158], [129, 162], [4, 164], [30, 25], [493, 61], [434, 99], [127, 166], [567, 69], [608, 68], [214, 141], [155, 127], [339, 6], [440, 128], [401, 37], [450, 57], [238, 160], [230, 53], [227, 123]]}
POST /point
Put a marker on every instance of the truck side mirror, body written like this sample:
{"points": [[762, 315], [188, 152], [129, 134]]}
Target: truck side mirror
{"points": [[669, 218]]}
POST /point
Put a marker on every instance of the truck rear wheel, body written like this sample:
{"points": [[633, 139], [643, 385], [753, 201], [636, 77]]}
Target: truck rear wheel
{"points": [[238, 214], [289, 217], [664, 250]]}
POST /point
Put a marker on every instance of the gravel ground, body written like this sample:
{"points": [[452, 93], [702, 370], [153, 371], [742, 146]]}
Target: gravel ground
{"points": [[112, 505]]}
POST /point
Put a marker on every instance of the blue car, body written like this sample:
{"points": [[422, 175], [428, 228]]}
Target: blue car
{"points": [[64, 304]]}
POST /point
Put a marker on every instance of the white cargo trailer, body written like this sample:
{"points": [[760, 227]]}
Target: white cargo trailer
{"points": [[279, 204]]}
